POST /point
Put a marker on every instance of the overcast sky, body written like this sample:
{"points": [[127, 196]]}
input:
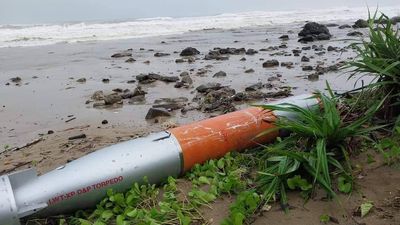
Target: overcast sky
{"points": [[54, 11]]}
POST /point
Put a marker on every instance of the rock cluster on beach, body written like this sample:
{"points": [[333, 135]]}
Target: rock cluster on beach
{"points": [[215, 97], [313, 31]]}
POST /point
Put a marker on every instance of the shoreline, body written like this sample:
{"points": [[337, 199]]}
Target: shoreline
{"points": [[49, 95], [57, 33]]}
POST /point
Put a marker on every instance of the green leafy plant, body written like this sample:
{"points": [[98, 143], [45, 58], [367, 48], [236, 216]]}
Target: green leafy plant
{"points": [[245, 205], [317, 144], [143, 204], [379, 56], [366, 207], [344, 185], [324, 218], [390, 147]]}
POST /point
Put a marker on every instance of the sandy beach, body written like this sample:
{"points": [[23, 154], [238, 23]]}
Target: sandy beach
{"points": [[52, 100]]}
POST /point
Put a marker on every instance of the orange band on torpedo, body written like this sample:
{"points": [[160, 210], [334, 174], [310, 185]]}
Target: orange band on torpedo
{"points": [[213, 138]]}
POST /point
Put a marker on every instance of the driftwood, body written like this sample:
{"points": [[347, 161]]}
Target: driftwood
{"points": [[25, 145]]}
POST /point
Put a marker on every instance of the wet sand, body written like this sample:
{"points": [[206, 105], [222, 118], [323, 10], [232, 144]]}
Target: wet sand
{"points": [[49, 95]]}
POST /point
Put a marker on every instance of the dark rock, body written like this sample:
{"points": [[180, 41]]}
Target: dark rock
{"points": [[215, 55], [332, 25], [98, 105], [324, 37], [395, 20], [138, 91], [169, 79], [105, 80], [249, 71], [118, 90], [50, 132], [271, 79], [354, 33], [220, 74], [284, 37], [218, 100], [189, 51], [79, 136], [270, 63], [331, 48], [187, 80], [321, 70], [137, 99], [154, 113], [318, 48], [254, 87], [307, 68], [314, 31], [279, 94], [122, 54], [201, 72], [287, 64], [112, 99], [305, 59], [345, 26], [313, 77], [361, 24], [251, 51], [231, 51], [179, 84], [208, 86], [179, 60], [151, 77], [144, 79], [184, 73], [306, 48], [98, 96], [171, 100], [147, 62], [154, 76], [161, 54], [131, 81], [104, 122], [169, 106], [191, 60], [243, 59], [313, 28], [241, 96], [81, 80], [251, 95], [296, 51], [16, 79], [283, 46], [308, 38], [130, 60]]}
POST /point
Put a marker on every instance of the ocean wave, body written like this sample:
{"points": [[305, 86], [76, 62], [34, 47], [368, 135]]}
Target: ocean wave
{"points": [[45, 34]]}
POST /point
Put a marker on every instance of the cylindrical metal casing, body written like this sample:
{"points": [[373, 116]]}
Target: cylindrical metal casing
{"points": [[83, 183], [236, 131], [8, 207]]}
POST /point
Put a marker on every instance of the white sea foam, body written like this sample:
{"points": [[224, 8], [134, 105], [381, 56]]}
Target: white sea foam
{"points": [[45, 34]]}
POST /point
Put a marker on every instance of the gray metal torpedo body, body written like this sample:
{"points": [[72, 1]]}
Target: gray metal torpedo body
{"points": [[83, 183]]}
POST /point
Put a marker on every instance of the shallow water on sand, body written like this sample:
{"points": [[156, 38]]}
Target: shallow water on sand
{"points": [[49, 95]]}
